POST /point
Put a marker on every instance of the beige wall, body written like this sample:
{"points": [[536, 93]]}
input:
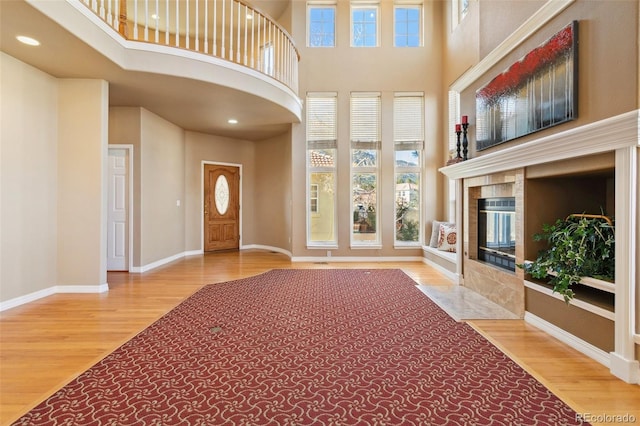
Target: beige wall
{"points": [[384, 69], [272, 216], [82, 153], [162, 186], [28, 179], [607, 65], [53, 212]]}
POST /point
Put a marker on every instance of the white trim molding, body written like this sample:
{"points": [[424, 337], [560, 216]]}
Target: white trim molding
{"points": [[157, 263], [57, 289], [576, 343], [268, 248]]}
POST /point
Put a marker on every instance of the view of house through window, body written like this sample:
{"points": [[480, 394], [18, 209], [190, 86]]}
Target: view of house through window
{"points": [[365, 148], [408, 135], [321, 166], [321, 25]]}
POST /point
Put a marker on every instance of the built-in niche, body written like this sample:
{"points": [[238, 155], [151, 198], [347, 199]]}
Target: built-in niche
{"points": [[554, 191]]}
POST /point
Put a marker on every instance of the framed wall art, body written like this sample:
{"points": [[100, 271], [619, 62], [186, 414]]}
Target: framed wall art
{"points": [[537, 92]]}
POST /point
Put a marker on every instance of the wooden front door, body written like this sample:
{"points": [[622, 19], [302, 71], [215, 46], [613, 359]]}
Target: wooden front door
{"points": [[221, 207]]}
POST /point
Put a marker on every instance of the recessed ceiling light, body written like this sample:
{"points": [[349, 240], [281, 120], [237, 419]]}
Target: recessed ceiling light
{"points": [[28, 40], [249, 16], [232, 121], [155, 16]]}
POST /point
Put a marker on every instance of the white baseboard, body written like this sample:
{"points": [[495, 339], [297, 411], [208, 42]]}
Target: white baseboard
{"points": [[36, 295], [157, 263], [576, 343], [356, 259], [453, 276], [625, 369], [269, 248]]}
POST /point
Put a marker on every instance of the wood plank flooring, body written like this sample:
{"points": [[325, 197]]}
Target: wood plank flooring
{"points": [[47, 343]]}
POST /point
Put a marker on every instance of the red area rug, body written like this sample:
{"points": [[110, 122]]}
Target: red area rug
{"points": [[303, 347]]}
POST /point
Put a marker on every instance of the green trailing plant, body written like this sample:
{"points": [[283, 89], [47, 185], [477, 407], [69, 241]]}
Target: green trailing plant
{"points": [[579, 246]]}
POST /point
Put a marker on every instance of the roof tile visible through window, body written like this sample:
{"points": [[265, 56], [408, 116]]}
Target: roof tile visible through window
{"points": [[319, 159]]}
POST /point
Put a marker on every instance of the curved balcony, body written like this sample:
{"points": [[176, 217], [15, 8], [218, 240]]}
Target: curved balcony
{"points": [[227, 29]]}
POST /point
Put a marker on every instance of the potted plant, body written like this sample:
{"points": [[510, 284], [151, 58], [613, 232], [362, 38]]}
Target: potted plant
{"points": [[581, 245]]}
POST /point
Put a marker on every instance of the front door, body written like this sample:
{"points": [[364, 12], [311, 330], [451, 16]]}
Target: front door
{"points": [[221, 207]]}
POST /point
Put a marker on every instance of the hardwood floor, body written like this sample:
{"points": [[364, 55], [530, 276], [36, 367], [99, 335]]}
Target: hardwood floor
{"points": [[47, 343]]}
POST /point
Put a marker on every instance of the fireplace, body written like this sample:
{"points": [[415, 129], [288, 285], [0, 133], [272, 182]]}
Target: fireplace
{"points": [[497, 231]]}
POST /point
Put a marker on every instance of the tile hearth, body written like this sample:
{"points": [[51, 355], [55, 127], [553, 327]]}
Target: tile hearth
{"points": [[464, 304]]}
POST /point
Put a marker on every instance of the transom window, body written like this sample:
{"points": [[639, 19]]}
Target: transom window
{"points": [[364, 25], [321, 25], [407, 25]]}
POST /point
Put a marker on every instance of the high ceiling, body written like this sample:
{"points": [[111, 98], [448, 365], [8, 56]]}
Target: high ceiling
{"points": [[190, 103]]}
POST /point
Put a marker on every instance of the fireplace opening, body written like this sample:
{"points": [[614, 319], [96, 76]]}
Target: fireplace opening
{"points": [[497, 231]]}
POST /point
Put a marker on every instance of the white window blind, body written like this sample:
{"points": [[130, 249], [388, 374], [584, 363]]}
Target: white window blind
{"points": [[365, 117], [322, 118], [408, 120]]}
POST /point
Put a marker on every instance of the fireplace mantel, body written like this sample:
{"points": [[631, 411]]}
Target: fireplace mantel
{"points": [[621, 131], [620, 135]]}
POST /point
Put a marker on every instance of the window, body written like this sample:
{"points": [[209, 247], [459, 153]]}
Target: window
{"points": [[313, 198], [407, 25], [321, 168], [321, 25], [365, 149], [364, 25], [408, 137], [459, 9]]}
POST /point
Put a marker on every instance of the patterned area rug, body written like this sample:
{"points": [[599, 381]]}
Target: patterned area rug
{"points": [[302, 347]]}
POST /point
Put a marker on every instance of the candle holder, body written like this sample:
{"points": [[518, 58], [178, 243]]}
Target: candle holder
{"points": [[465, 141], [458, 156]]}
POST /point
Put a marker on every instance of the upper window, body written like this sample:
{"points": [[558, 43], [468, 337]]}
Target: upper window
{"points": [[321, 25], [459, 9], [364, 25], [407, 23]]}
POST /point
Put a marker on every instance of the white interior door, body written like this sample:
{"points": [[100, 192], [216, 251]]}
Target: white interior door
{"points": [[118, 211]]}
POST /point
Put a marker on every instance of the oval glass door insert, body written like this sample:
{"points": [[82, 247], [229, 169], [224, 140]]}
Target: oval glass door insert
{"points": [[222, 194]]}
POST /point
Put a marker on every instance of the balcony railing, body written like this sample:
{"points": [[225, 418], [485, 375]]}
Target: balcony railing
{"points": [[226, 29]]}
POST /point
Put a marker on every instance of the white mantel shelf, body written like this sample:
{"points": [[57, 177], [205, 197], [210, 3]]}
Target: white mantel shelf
{"points": [[621, 131]]}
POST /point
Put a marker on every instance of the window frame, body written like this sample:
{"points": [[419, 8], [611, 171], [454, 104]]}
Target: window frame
{"points": [[360, 6], [321, 5], [329, 141], [409, 5], [414, 142], [373, 142]]}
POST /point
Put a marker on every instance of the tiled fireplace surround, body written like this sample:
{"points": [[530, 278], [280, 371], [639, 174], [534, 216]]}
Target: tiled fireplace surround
{"points": [[504, 172]]}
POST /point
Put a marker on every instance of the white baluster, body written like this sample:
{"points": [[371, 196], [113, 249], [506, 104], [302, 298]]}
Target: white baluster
{"points": [[197, 23], [206, 26], [246, 25], [146, 20], [102, 13], [109, 15], [259, 64], [238, 36], [253, 32], [231, 30], [157, 22], [215, 27], [177, 24], [94, 6], [222, 52], [187, 27], [135, 19], [166, 23]]}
